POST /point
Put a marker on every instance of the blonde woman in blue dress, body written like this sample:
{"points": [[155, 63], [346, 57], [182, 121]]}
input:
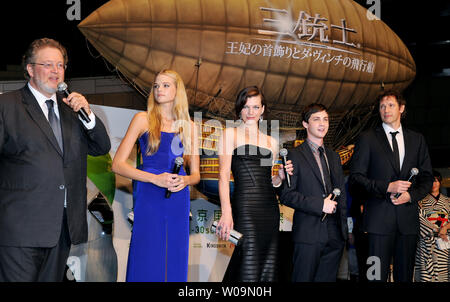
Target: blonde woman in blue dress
{"points": [[159, 245]]}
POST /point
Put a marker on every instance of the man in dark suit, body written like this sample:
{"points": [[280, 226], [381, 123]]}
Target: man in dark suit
{"points": [[318, 239], [381, 165], [43, 152]]}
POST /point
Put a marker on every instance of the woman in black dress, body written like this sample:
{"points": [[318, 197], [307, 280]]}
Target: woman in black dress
{"points": [[253, 211]]}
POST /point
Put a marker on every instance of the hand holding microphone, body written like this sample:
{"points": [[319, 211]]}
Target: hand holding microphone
{"points": [[176, 169], [413, 172], [334, 195], [62, 88], [283, 154]]}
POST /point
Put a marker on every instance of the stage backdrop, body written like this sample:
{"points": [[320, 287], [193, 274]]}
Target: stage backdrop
{"points": [[298, 51]]}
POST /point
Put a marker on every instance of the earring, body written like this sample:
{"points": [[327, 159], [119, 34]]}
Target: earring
{"points": [[261, 118]]}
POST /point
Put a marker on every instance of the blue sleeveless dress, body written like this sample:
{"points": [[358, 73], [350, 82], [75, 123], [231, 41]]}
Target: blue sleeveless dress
{"points": [[159, 245]]}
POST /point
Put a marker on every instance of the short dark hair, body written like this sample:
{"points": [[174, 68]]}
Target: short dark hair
{"points": [[398, 97], [437, 175], [244, 95], [392, 92], [36, 45], [311, 109]]}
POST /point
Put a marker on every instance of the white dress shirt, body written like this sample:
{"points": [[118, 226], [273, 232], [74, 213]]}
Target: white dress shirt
{"points": [[399, 138]]}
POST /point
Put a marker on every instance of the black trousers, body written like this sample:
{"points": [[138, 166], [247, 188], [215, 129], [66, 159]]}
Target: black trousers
{"points": [[362, 252], [403, 250], [35, 264], [318, 262]]}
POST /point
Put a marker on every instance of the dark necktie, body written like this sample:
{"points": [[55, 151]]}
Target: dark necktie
{"points": [[395, 150], [325, 171], [54, 123]]}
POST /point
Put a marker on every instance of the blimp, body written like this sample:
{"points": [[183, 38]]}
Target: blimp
{"points": [[334, 52]]}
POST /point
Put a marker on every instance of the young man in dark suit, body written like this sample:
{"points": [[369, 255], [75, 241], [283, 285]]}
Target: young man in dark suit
{"points": [[318, 239], [43, 158], [381, 165]]}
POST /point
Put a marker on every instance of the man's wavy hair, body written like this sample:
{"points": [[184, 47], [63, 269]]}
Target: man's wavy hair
{"points": [[397, 95], [38, 44]]}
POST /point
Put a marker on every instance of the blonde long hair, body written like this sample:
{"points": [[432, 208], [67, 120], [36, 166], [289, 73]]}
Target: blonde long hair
{"points": [[180, 111]]}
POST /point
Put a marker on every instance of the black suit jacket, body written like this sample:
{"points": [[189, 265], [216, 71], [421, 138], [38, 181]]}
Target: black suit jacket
{"points": [[372, 168], [34, 174], [307, 193]]}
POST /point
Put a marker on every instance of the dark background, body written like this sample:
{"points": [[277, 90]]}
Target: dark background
{"points": [[422, 25], [22, 22], [424, 28]]}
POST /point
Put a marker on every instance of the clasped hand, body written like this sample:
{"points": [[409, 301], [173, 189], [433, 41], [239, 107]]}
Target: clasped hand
{"points": [[329, 206], [399, 186], [173, 182], [403, 198]]}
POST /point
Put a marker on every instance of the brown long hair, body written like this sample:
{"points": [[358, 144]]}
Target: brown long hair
{"points": [[180, 111]]}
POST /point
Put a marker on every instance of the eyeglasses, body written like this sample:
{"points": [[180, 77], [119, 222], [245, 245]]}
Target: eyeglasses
{"points": [[48, 65]]}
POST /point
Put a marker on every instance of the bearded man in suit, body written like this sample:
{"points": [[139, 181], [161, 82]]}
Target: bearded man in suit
{"points": [[43, 159]]}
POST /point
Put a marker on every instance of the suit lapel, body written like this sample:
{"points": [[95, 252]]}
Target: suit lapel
{"points": [[32, 107], [408, 144], [383, 140], [310, 159]]}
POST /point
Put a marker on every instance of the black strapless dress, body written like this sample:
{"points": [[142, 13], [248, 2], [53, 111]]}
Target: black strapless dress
{"points": [[256, 215]]}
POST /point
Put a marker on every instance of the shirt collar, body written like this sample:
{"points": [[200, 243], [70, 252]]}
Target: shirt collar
{"points": [[389, 129], [314, 146]]}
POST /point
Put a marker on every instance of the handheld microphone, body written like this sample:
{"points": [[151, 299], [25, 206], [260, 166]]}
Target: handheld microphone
{"points": [[414, 172], [176, 170], [62, 87], [283, 154], [336, 193]]}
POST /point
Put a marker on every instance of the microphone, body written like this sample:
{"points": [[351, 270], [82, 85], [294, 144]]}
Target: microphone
{"points": [[336, 193], [283, 154], [176, 170], [414, 172], [62, 87]]}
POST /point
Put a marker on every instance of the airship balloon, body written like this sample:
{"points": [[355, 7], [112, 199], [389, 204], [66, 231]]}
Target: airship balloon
{"points": [[298, 51], [333, 52]]}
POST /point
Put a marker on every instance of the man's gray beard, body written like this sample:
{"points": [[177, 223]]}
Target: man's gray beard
{"points": [[48, 89]]}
